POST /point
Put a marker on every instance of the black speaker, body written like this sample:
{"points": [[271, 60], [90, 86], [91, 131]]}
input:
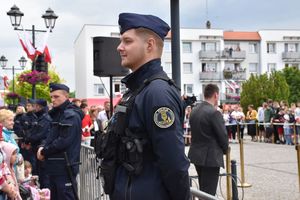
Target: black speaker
{"points": [[107, 60], [40, 64]]}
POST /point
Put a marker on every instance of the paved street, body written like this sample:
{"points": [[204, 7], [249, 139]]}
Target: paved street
{"points": [[270, 168]]}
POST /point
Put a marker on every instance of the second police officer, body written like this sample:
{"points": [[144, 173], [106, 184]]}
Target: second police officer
{"points": [[61, 149]]}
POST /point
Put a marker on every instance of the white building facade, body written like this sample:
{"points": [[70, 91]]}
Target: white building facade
{"points": [[225, 58]]}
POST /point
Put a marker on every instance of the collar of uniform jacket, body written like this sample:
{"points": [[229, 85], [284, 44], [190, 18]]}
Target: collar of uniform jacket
{"points": [[135, 79], [59, 108]]}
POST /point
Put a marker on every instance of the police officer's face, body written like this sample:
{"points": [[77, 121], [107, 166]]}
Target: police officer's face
{"points": [[29, 107], [58, 97], [132, 50]]}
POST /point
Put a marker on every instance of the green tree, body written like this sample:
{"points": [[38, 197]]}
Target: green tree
{"points": [[259, 88], [292, 77]]}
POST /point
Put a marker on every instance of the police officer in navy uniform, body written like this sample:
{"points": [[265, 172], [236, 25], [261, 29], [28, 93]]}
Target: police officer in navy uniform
{"points": [[18, 120], [28, 123], [155, 118], [38, 133], [62, 144]]}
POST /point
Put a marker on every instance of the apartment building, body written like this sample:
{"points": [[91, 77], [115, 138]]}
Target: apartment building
{"points": [[225, 58]]}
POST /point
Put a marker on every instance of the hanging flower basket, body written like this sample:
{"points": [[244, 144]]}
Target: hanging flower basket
{"points": [[12, 95], [34, 77]]}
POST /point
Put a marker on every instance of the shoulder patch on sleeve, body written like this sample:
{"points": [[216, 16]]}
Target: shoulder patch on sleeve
{"points": [[164, 117]]}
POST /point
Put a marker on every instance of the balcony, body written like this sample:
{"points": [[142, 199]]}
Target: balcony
{"points": [[210, 76], [235, 75], [291, 56], [235, 55], [209, 55]]}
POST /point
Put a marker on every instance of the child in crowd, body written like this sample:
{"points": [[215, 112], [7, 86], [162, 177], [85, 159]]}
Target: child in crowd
{"points": [[287, 130], [29, 178], [10, 151], [31, 183], [7, 190]]}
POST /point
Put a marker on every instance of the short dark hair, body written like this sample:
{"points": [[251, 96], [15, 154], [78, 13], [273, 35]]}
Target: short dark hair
{"points": [[83, 105], [209, 90]]}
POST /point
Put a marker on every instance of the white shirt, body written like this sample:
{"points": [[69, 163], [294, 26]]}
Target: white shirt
{"points": [[102, 116]]}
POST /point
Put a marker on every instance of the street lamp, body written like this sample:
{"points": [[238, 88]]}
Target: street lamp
{"points": [[3, 62], [15, 18]]}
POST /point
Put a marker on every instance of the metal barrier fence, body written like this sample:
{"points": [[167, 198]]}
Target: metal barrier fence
{"points": [[90, 188]]}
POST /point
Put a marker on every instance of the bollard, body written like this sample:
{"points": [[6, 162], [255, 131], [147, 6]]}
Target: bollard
{"points": [[243, 184], [238, 136], [228, 171], [234, 180], [257, 132], [295, 134], [298, 161]]}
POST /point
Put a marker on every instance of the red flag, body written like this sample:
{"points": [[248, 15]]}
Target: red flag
{"points": [[43, 48], [27, 45], [5, 80], [47, 55]]}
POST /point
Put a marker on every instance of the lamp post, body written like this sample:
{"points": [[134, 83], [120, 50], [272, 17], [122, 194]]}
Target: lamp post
{"points": [[3, 62], [15, 18]]}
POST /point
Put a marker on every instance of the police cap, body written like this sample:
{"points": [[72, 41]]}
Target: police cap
{"points": [[58, 86], [30, 101], [132, 21], [21, 104], [41, 102]]}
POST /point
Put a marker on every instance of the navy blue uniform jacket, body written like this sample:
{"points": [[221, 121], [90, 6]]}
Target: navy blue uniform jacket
{"points": [[65, 136], [165, 175]]}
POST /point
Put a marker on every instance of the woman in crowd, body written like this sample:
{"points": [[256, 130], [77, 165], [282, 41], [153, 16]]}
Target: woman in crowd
{"points": [[251, 118], [97, 125]]}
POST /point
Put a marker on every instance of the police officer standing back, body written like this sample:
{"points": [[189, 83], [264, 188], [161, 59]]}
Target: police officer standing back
{"points": [[38, 133], [151, 159], [64, 139]]}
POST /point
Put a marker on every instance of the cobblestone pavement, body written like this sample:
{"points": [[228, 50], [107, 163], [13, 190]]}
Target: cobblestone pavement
{"points": [[271, 169]]}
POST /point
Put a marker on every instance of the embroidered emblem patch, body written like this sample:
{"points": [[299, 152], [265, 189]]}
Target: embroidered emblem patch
{"points": [[164, 117]]}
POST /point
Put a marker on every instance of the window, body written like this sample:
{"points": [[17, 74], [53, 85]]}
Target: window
{"points": [[117, 87], [209, 67], [271, 67], [167, 46], [291, 47], [168, 67], [186, 47], [271, 48], [187, 68], [188, 89], [209, 46], [253, 67], [98, 89], [253, 48]]}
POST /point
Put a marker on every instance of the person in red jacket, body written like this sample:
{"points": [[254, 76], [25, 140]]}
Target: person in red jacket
{"points": [[86, 125]]}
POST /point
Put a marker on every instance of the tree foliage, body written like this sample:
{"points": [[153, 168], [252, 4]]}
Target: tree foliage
{"points": [[42, 90], [292, 77], [259, 88]]}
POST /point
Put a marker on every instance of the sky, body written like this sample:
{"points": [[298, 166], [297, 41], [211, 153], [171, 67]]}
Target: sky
{"points": [[237, 15]]}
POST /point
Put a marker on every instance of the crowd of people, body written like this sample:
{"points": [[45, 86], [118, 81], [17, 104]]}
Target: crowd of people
{"points": [[272, 122], [23, 131]]}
